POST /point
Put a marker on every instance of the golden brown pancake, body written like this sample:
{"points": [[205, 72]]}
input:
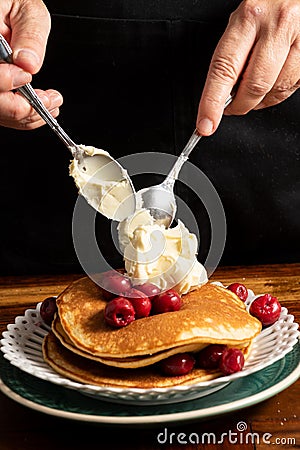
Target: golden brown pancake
{"points": [[83, 370], [131, 362], [210, 314]]}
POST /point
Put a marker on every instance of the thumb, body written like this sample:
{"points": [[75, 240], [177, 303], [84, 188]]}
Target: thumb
{"points": [[30, 25]]}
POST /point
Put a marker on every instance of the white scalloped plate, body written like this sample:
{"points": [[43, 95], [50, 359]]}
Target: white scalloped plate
{"points": [[22, 346]]}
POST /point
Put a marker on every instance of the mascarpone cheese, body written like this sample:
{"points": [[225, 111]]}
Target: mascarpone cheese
{"points": [[166, 257], [104, 184]]}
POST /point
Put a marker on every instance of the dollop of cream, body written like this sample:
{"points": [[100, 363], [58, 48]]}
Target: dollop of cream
{"points": [[104, 183], [166, 257]]}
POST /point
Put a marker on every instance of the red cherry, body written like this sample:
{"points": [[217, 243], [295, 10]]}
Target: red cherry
{"points": [[266, 309], [166, 302], [48, 309], [179, 364], [114, 282], [140, 302], [150, 289], [240, 290], [209, 357], [232, 360], [119, 312]]}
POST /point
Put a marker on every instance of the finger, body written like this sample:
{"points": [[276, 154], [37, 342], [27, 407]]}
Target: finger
{"points": [[12, 77], [35, 121], [16, 112], [287, 82], [226, 65], [262, 71], [30, 24], [51, 98], [13, 107]]}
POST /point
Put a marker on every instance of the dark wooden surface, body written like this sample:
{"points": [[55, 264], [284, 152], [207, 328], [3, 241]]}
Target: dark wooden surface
{"points": [[24, 429]]}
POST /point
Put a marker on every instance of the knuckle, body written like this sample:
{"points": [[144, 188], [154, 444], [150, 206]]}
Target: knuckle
{"points": [[224, 68], [282, 87], [281, 92], [250, 10], [289, 14], [273, 98], [257, 88]]}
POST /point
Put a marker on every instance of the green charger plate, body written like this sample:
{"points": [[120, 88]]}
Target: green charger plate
{"points": [[59, 401]]}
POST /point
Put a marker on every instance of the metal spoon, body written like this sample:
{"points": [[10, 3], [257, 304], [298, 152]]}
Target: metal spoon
{"points": [[159, 199], [97, 166]]}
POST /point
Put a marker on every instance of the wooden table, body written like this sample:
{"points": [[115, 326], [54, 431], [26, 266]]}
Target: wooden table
{"points": [[22, 428]]}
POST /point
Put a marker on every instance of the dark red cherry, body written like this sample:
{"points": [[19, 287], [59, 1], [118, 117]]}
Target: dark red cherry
{"points": [[119, 312], [166, 302], [115, 282], [240, 290], [179, 364], [232, 360], [150, 289], [48, 309], [266, 308], [140, 302], [209, 357]]}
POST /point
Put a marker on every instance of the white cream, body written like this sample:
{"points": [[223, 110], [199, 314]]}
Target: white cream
{"points": [[165, 257], [127, 227], [104, 183]]}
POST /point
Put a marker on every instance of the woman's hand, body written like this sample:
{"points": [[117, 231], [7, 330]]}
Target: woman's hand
{"points": [[259, 50], [25, 24]]}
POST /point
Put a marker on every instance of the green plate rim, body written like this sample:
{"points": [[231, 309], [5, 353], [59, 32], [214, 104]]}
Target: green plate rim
{"points": [[287, 377]]}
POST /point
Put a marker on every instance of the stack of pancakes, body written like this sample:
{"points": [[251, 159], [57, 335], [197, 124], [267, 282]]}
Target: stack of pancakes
{"points": [[84, 348]]}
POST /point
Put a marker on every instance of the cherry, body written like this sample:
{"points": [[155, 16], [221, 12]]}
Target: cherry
{"points": [[48, 309], [166, 302], [209, 357], [119, 312], [115, 282], [232, 360], [140, 302], [150, 289], [179, 364], [240, 290], [266, 309]]}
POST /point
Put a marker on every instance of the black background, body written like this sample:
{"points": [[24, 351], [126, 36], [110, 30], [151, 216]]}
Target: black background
{"points": [[131, 74]]}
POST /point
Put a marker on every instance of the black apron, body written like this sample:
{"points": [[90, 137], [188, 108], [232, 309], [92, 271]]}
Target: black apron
{"points": [[131, 73]]}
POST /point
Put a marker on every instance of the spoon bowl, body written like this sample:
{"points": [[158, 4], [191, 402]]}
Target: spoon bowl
{"points": [[159, 199], [104, 183]]}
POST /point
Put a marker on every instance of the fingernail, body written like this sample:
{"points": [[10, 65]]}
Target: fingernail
{"points": [[26, 56], [56, 97], [20, 78], [205, 126]]}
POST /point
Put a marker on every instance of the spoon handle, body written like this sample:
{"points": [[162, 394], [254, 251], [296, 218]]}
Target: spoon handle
{"points": [[28, 92], [190, 145]]}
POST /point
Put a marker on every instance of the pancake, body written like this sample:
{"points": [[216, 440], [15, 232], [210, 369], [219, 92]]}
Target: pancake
{"points": [[210, 315], [77, 368], [131, 362]]}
